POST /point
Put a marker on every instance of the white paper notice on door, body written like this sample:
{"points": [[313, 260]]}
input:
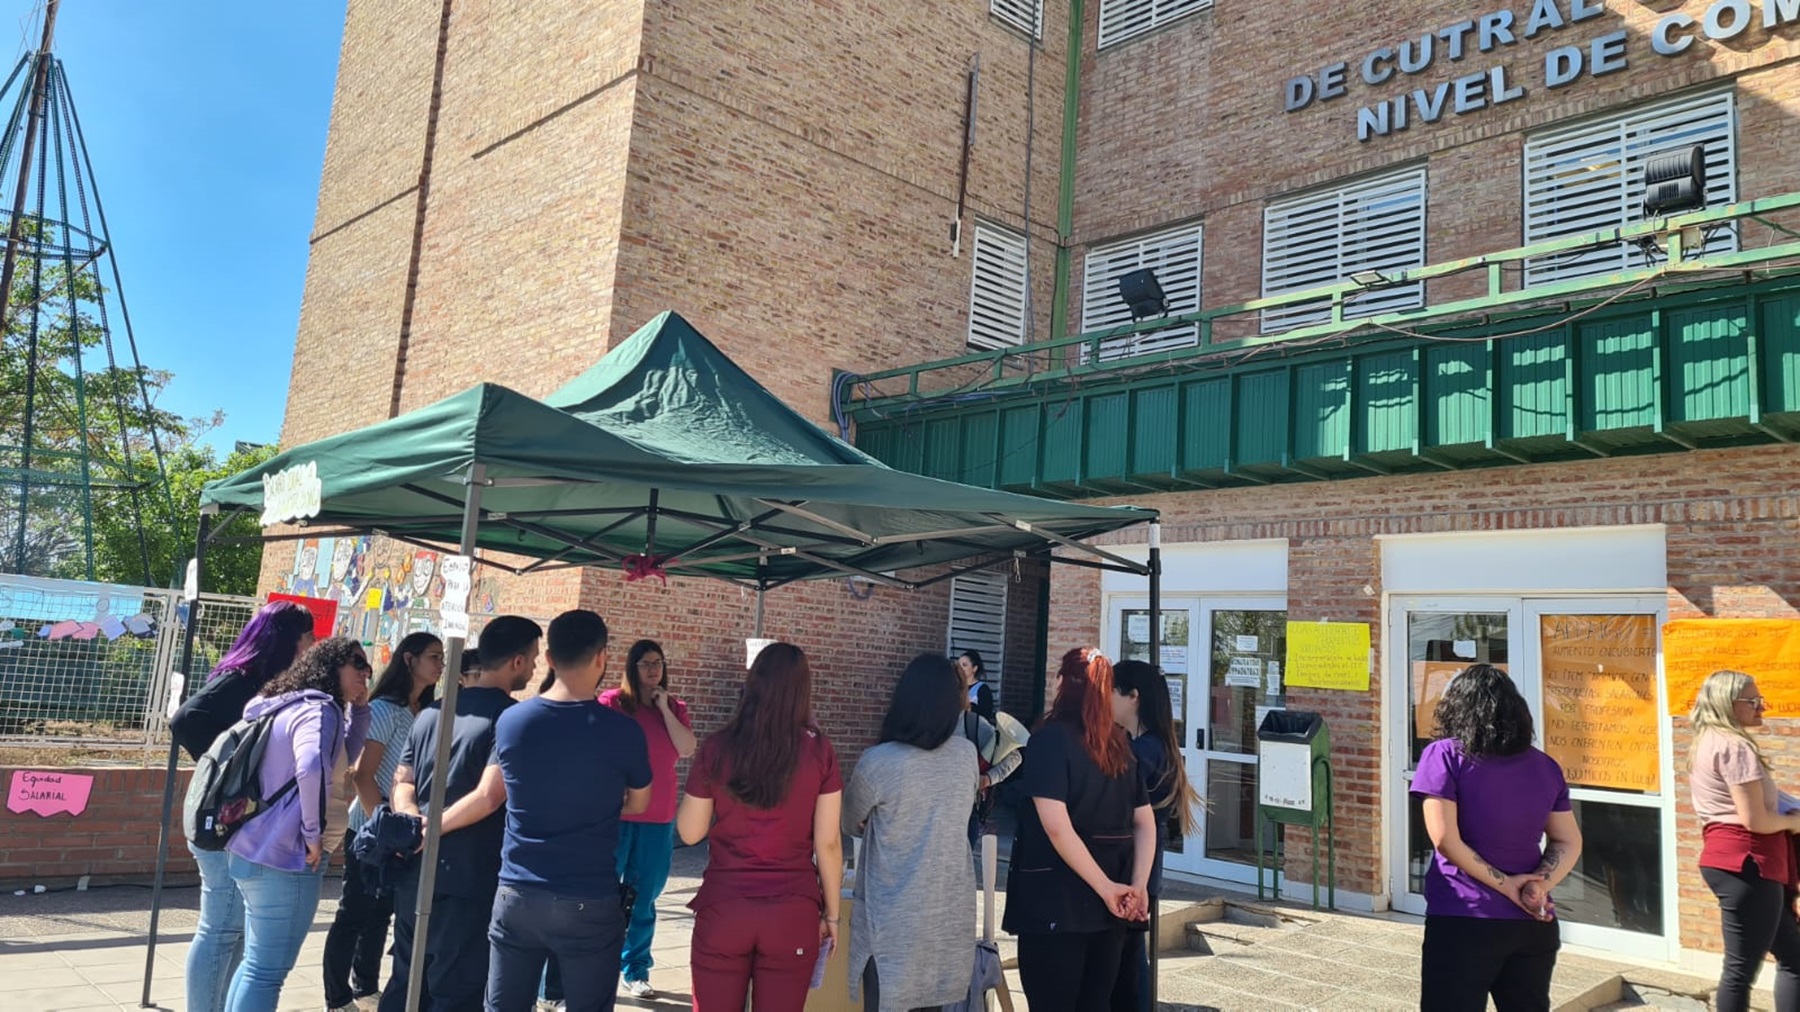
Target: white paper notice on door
{"points": [[1274, 671], [1245, 672], [1246, 644], [1174, 660], [1175, 696], [1464, 649], [1137, 627]]}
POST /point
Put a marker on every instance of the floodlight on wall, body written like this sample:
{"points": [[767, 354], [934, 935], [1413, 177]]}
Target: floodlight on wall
{"points": [[1372, 279], [1143, 294], [1675, 181]]}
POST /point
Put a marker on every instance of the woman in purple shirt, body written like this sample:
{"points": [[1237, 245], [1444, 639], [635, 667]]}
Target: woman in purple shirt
{"points": [[1489, 798], [320, 710]]}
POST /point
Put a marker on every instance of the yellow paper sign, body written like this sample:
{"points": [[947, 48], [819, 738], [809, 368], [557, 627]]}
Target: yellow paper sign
{"points": [[1767, 649], [1600, 699], [372, 601], [1328, 655]]}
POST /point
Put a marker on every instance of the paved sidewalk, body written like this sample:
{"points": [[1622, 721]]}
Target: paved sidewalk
{"points": [[85, 951]]}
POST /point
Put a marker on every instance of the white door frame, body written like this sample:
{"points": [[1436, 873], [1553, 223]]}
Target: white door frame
{"points": [[1192, 859], [1524, 648]]}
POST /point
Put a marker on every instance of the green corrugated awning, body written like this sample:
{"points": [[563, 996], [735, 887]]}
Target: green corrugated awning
{"points": [[664, 448]]}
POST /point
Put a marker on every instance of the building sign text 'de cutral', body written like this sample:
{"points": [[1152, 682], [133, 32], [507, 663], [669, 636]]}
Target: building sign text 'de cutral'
{"points": [[1499, 83]]}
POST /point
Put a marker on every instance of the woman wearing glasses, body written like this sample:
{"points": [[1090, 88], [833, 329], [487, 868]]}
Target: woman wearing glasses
{"points": [[320, 716], [1748, 855], [647, 840]]}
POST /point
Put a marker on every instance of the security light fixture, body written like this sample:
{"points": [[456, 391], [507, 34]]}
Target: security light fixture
{"points": [[1143, 294], [1675, 181], [1372, 279]]}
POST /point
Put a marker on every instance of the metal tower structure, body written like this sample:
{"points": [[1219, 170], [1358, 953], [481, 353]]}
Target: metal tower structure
{"points": [[78, 430]]}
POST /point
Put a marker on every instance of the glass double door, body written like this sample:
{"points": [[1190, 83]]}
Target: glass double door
{"points": [[1589, 669], [1222, 658]]}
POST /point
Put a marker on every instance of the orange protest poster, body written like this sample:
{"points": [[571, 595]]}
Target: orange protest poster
{"points": [[1429, 680], [1600, 715], [1767, 649]]}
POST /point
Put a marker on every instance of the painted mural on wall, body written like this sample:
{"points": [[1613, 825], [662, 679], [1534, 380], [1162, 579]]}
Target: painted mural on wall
{"points": [[384, 589]]}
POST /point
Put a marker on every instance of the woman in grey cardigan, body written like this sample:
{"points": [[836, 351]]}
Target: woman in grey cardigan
{"points": [[909, 800]]}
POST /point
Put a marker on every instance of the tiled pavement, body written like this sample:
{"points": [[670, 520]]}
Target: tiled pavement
{"points": [[85, 951]]}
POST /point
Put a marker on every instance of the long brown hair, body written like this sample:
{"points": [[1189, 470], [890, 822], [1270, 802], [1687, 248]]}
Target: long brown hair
{"points": [[759, 749], [631, 687], [1084, 700]]}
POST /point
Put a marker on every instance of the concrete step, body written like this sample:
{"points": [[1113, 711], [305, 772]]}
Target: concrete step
{"points": [[1224, 926]]}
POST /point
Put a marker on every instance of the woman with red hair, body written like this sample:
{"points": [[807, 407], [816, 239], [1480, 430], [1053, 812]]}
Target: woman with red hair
{"points": [[1081, 861], [767, 790]]}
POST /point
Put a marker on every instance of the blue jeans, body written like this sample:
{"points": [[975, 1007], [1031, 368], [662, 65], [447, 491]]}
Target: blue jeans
{"points": [[530, 926], [644, 852], [218, 944], [278, 910]]}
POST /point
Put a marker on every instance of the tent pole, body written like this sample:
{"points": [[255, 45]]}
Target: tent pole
{"points": [[440, 781], [1155, 561], [168, 803], [761, 585]]}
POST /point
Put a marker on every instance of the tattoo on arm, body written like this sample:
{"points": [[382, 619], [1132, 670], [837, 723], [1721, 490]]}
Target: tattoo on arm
{"points": [[1553, 856], [1496, 874]]}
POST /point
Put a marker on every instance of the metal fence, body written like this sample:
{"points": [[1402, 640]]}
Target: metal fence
{"points": [[91, 663]]}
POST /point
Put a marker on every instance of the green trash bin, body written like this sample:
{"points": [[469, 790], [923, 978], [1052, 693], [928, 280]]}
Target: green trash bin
{"points": [[1294, 788]]}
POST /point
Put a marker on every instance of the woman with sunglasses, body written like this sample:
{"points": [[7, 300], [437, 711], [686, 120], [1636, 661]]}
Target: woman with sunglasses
{"points": [[1747, 858], [279, 858]]}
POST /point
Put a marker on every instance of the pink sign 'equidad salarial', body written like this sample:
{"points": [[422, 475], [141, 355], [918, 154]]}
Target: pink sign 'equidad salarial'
{"points": [[48, 793]]}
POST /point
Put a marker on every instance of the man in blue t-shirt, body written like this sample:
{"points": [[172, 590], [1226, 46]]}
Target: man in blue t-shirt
{"points": [[566, 768]]}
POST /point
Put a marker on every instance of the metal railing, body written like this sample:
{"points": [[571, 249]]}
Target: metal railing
{"points": [[1082, 355]]}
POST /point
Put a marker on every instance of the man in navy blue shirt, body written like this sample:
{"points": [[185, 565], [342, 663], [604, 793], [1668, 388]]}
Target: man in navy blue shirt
{"points": [[566, 768]]}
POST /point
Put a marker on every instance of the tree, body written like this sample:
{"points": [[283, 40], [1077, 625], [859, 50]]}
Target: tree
{"points": [[231, 567], [76, 428]]}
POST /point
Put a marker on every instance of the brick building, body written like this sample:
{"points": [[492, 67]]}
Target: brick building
{"points": [[1403, 372]]}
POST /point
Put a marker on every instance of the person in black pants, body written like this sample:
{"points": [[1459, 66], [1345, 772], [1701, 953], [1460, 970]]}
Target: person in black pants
{"points": [[1081, 861], [1748, 857], [462, 898], [1489, 798]]}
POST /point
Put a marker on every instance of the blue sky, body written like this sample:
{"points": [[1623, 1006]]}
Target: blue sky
{"points": [[205, 120]]}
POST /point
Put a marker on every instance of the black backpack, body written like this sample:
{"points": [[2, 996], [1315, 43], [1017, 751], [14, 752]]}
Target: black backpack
{"points": [[226, 790]]}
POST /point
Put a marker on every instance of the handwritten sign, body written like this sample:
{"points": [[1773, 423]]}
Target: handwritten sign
{"points": [[1600, 713], [1328, 655], [324, 612], [292, 493], [48, 793], [1766, 649], [453, 611]]}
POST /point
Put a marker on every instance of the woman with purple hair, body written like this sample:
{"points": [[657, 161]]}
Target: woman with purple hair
{"points": [[277, 634]]}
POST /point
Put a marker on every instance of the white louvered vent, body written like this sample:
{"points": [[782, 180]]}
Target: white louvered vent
{"points": [[1124, 19], [1320, 238], [1175, 256], [978, 622], [1025, 15], [1590, 176], [997, 292]]}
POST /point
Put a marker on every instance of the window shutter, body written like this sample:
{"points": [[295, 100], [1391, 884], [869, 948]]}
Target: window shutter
{"points": [[1322, 238], [1175, 255], [1124, 19], [997, 293], [1025, 15], [1590, 176], [978, 621]]}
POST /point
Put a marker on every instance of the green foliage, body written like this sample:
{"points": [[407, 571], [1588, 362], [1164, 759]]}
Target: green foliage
{"points": [[231, 568]]}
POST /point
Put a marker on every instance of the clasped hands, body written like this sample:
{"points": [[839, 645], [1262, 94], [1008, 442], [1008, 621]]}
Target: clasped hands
{"points": [[1531, 893], [1127, 902]]}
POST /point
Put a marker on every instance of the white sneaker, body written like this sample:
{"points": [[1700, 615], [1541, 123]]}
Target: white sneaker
{"points": [[551, 1006], [639, 989]]}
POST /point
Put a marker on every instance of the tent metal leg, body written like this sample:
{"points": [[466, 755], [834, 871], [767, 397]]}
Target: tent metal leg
{"points": [[168, 802], [1155, 575], [760, 590], [434, 816]]}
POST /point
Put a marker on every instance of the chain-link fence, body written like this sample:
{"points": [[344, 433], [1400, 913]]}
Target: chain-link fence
{"points": [[90, 663]]}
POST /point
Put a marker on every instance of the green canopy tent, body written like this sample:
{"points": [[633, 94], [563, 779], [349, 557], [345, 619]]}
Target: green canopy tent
{"points": [[663, 457]]}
